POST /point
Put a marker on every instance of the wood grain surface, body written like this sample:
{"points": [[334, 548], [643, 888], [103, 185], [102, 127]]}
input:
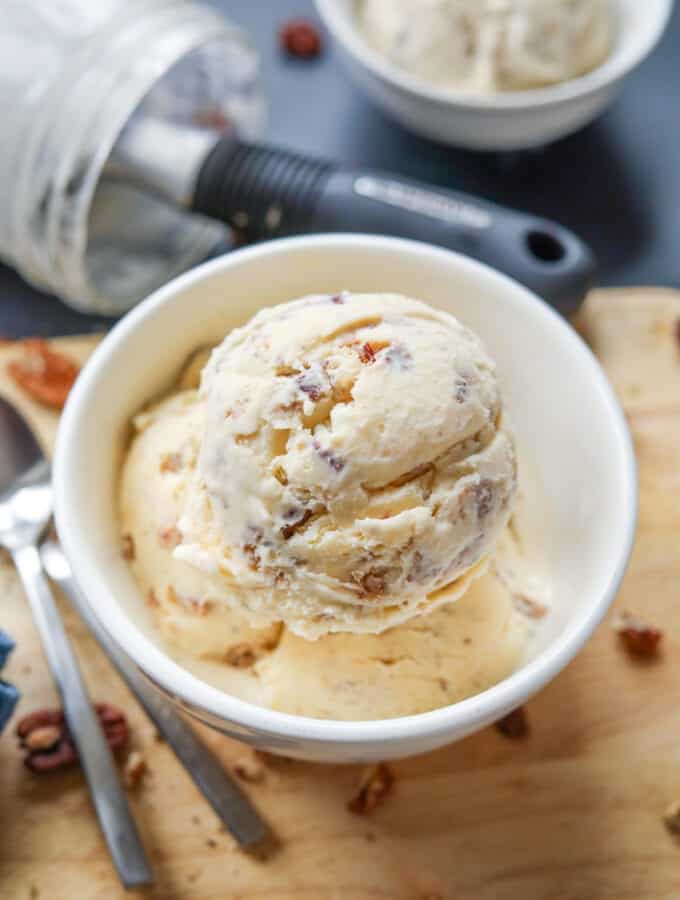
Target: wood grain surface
{"points": [[574, 812]]}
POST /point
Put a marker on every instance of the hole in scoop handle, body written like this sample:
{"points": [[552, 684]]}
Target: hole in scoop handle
{"points": [[270, 193]]}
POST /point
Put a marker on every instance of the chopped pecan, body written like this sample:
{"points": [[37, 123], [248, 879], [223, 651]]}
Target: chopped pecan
{"points": [[135, 769], [671, 819], [304, 516], [45, 751], [375, 784], [529, 607], [280, 475], [240, 656], [127, 547], [639, 638], [300, 38], [338, 299], [171, 462], [252, 555], [373, 581], [170, 537], [152, 599], [515, 725], [250, 768], [283, 370], [484, 497], [47, 376], [368, 350], [310, 384], [329, 457]]}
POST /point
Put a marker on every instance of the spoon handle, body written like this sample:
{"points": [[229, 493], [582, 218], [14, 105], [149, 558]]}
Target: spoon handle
{"points": [[95, 755], [225, 797]]}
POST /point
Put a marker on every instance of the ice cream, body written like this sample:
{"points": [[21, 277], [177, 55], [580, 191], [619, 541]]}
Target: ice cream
{"points": [[382, 416], [485, 46], [460, 649], [188, 605], [353, 462]]}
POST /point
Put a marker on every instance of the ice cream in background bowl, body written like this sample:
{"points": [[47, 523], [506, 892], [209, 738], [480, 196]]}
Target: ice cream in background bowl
{"points": [[351, 688], [486, 46], [493, 74]]}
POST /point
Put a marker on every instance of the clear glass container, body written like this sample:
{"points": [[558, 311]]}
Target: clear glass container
{"points": [[73, 73]]}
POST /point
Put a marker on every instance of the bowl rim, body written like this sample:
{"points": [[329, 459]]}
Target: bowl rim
{"points": [[190, 690], [615, 67]]}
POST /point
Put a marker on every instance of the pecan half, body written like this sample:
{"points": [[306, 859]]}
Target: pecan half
{"points": [[48, 743], [375, 784], [47, 376]]}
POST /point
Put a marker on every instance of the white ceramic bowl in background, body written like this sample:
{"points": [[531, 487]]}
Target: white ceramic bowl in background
{"points": [[565, 415], [506, 121]]}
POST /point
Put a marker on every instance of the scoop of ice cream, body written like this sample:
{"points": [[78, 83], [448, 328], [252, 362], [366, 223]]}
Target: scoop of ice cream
{"points": [[353, 462], [188, 605], [489, 45], [458, 650]]}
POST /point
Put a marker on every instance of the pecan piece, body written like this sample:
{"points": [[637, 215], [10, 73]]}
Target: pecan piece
{"points": [[45, 375], [287, 531], [515, 725], [240, 656], [529, 607], [127, 547], [170, 462], [49, 745], [368, 350], [249, 768], [329, 457], [169, 538], [135, 769], [375, 784], [301, 39], [639, 638], [671, 819]]}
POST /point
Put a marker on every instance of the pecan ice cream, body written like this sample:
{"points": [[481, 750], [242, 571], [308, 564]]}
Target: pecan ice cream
{"points": [[188, 605], [353, 462], [486, 46], [344, 474]]}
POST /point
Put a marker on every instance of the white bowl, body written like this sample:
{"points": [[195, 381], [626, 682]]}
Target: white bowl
{"points": [[566, 418], [507, 121]]}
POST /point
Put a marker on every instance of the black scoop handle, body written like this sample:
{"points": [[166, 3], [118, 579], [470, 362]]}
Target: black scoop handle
{"points": [[270, 193]]}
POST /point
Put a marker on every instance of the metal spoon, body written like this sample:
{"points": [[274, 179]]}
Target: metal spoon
{"points": [[225, 797], [25, 510]]}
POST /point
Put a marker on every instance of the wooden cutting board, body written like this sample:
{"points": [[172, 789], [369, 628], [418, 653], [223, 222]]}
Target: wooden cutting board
{"points": [[572, 813]]}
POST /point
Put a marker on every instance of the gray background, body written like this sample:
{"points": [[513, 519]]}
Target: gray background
{"points": [[616, 183]]}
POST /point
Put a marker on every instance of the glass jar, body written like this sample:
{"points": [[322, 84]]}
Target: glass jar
{"points": [[73, 73]]}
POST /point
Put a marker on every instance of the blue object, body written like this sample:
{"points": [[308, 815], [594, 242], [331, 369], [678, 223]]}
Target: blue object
{"points": [[8, 693]]}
